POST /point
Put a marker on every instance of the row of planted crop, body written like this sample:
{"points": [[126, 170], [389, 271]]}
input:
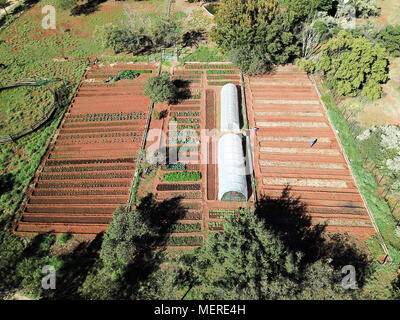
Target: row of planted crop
{"points": [[220, 213], [83, 184], [102, 135], [183, 133], [215, 225], [81, 176], [184, 120], [90, 168], [178, 187], [180, 140], [89, 161], [83, 200], [75, 210], [208, 66], [211, 72], [73, 192], [180, 167], [185, 114], [101, 141], [185, 227], [105, 114], [108, 118], [182, 176]]}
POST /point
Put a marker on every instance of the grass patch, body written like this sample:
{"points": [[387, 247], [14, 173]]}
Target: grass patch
{"points": [[182, 176], [63, 238], [180, 15], [204, 54]]}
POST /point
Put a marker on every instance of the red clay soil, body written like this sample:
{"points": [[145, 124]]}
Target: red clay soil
{"points": [[210, 125], [88, 170], [286, 109]]}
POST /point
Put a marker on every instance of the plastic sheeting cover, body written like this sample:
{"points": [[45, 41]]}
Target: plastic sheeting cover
{"points": [[229, 108], [231, 166]]}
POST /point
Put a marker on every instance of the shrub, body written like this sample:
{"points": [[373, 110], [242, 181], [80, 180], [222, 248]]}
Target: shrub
{"points": [[160, 89], [255, 34], [306, 65], [353, 65], [365, 8], [126, 235], [182, 176], [63, 238], [128, 74], [390, 39]]}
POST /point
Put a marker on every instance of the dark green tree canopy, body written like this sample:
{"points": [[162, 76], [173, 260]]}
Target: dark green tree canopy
{"points": [[249, 261], [160, 89], [256, 34]]}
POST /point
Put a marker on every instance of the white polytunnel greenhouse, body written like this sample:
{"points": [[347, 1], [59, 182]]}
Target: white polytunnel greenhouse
{"points": [[229, 108], [231, 169]]}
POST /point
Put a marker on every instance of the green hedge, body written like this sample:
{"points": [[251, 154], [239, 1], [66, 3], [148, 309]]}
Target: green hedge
{"points": [[182, 176]]}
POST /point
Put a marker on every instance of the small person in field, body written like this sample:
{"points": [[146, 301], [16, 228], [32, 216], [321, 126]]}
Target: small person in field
{"points": [[313, 142]]}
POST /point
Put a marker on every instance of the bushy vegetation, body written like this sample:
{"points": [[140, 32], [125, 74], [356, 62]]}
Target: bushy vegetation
{"points": [[160, 89], [138, 34], [257, 34], [354, 66], [126, 236], [182, 176], [390, 39], [270, 268]]}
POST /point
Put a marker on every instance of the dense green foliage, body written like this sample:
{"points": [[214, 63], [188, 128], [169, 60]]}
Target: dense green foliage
{"points": [[160, 89], [251, 260], [126, 235], [255, 33], [390, 39], [354, 66], [365, 8], [306, 8], [138, 34], [182, 176]]}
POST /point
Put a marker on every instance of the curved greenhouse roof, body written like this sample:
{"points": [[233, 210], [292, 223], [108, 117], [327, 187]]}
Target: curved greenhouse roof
{"points": [[231, 168], [229, 108]]}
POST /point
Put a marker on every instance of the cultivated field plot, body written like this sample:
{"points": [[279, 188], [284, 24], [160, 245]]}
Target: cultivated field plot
{"points": [[88, 171], [285, 107], [194, 175]]}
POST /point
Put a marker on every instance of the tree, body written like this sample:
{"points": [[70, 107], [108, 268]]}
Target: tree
{"points": [[160, 89], [365, 8], [121, 38], [260, 28], [353, 65], [249, 261], [4, 4], [307, 8], [165, 33], [390, 39], [127, 234]]}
